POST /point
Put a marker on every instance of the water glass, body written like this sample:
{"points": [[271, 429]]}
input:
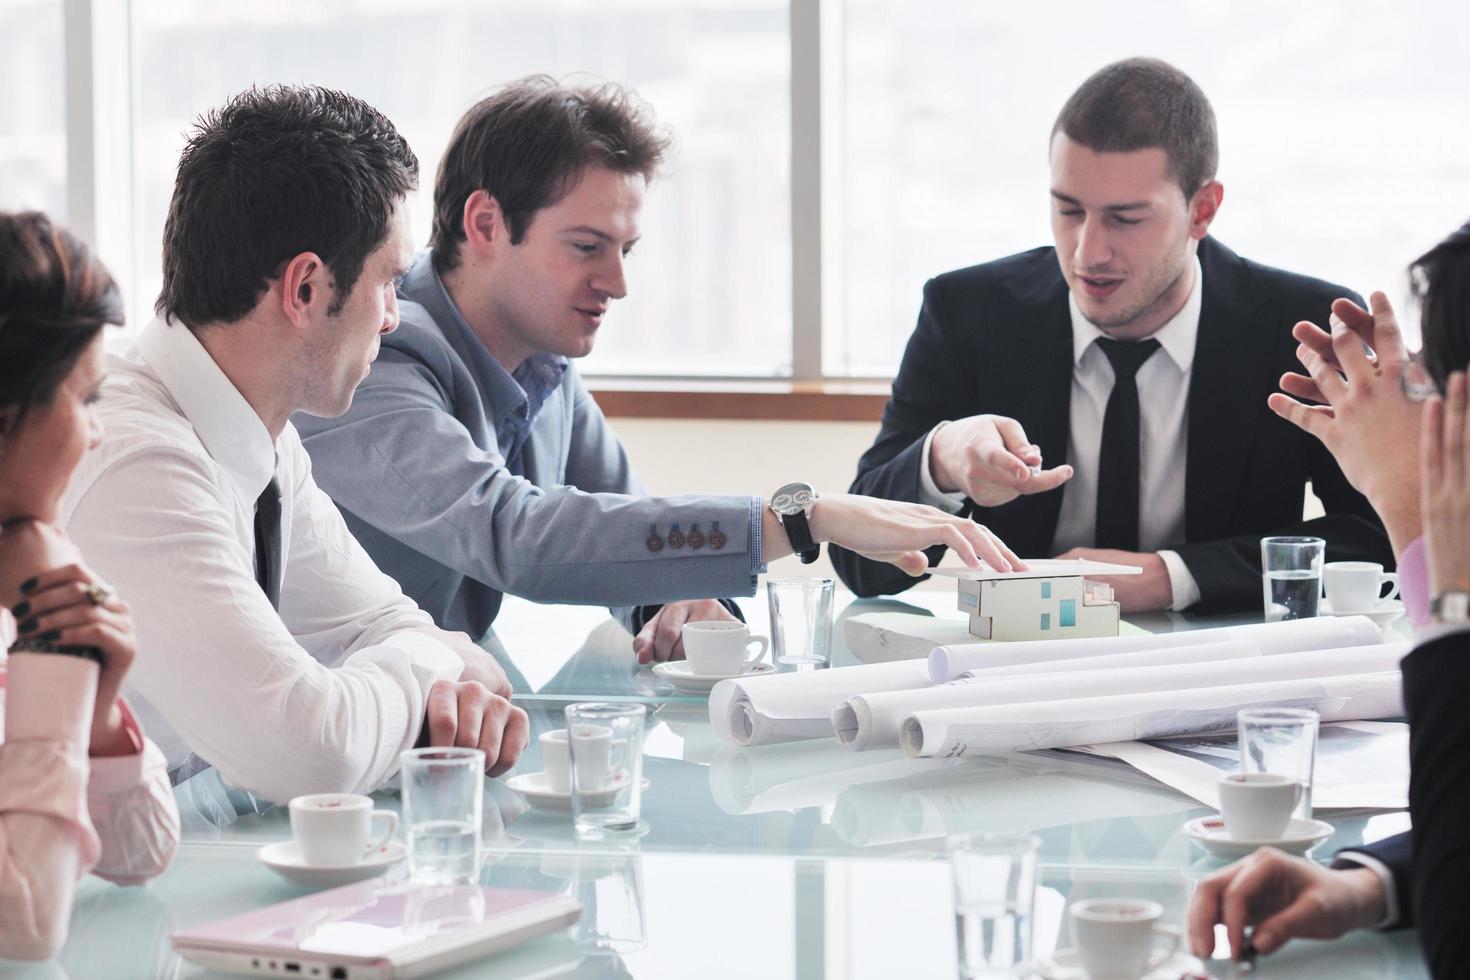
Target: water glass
{"points": [[1282, 741], [443, 790], [607, 767], [801, 620], [994, 896], [1291, 577]]}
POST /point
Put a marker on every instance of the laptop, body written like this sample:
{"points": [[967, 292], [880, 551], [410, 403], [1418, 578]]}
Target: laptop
{"points": [[373, 930]]}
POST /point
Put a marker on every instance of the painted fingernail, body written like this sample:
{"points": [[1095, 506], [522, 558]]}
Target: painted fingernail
{"points": [[21, 609], [29, 585], [49, 635], [26, 625]]}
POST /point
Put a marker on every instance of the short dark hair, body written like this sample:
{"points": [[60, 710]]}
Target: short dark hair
{"points": [[1141, 103], [55, 297], [278, 171], [1440, 281], [527, 144]]}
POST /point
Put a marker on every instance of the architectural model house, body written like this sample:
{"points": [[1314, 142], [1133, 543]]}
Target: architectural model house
{"points": [[1053, 600]]}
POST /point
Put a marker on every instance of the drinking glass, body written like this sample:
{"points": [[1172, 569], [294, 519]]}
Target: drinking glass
{"points": [[1281, 741], [994, 895], [443, 790], [801, 620], [1291, 577], [607, 767]]}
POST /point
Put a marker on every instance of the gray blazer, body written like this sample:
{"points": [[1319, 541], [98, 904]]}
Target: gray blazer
{"points": [[417, 471]]}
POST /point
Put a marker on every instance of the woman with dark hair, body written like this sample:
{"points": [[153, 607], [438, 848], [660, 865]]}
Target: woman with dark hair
{"points": [[80, 787]]}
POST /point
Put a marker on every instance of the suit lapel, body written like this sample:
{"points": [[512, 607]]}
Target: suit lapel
{"points": [[1035, 375], [1234, 370]]}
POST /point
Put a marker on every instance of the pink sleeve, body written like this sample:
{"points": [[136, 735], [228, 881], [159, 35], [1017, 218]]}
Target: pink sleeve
{"points": [[1414, 582], [132, 806], [46, 839]]}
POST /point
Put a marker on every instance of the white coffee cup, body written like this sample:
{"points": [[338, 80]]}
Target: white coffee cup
{"points": [[336, 829], [721, 647], [1117, 938], [1257, 805], [595, 755], [1357, 586], [556, 760]]}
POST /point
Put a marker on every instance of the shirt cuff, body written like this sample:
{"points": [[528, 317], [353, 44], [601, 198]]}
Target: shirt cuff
{"points": [[757, 541], [929, 492], [1385, 879], [1181, 583], [50, 696]]}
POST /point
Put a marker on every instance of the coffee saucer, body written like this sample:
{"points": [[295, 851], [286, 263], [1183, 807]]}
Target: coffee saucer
{"points": [[683, 677], [284, 858], [1210, 833], [1064, 965], [1382, 614], [536, 790]]}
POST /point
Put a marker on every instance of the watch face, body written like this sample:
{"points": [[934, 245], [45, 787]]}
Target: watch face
{"points": [[793, 498]]}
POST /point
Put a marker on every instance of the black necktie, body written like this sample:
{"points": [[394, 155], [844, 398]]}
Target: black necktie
{"points": [[268, 541], [1118, 457]]}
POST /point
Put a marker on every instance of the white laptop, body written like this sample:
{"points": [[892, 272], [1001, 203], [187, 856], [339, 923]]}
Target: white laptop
{"points": [[375, 931]]}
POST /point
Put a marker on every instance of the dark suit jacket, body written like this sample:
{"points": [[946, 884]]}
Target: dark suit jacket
{"points": [[1431, 864], [997, 338]]}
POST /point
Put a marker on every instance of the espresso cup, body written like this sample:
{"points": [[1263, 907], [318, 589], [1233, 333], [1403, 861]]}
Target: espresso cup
{"points": [[336, 829], [556, 760], [1357, 586], [1118, 938], [721, 647], [598, 754], [1257, 805]]}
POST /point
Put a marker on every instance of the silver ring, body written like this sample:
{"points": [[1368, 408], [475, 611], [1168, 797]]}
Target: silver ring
{"points": [[99, 593]]}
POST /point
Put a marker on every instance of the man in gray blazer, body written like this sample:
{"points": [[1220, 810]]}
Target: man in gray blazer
{"points": [[473, 461]]}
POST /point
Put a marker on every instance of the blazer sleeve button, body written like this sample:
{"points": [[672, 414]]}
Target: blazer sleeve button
{"points": [[654, 542], [716, 537], [696, 537], [676, 537]]}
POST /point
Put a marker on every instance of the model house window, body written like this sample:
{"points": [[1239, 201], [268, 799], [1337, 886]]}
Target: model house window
{"points": [[1046, 590], [1046, 621], [1069, 612]]}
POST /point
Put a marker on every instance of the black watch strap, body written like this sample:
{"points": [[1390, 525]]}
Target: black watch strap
{"points": [[799, 533]]}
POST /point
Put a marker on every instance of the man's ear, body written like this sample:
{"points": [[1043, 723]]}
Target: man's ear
{"points": [[306, 288], [484, 224], [1204, 207]]}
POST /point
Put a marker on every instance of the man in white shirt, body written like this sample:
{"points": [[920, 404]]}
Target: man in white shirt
{"points": [[270, 646], [1137, 355]]}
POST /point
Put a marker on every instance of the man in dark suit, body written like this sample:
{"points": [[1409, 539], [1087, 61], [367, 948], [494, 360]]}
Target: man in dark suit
{"points": [[1141, 352]]}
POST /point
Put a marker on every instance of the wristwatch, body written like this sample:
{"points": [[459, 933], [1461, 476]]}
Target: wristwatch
{"points": [[792, 505], [1452, 606]]}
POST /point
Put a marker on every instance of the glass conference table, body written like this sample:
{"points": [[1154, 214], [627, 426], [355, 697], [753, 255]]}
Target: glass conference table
{"points": [[800, 860]]}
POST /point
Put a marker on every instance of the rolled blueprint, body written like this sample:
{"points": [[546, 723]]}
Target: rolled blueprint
{"points": [[785, 707], [873, 721], [949, 732], [1289, 636]]}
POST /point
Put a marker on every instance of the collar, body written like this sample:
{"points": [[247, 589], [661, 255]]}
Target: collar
{"points": [[506, 394], [233, 435], [1177, 337]]}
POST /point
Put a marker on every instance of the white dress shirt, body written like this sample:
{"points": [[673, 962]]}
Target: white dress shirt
{"points": [[319, 697], [1163, 403]]}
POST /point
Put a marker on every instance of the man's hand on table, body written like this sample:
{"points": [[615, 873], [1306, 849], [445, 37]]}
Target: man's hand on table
{"points": [[1148, 592], [479, 665], [465, 714], [988, 458], [662, 637], [1283, 898]]}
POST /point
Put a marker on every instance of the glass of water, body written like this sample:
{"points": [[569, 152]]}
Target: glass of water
{"points": [[607, 768], [1282, 741], [801, 620], [1291, 577], [443, 790], [994, 894]]}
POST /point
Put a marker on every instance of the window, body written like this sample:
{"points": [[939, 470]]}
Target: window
{"points": [[1046, 589], [1046, 621], [33, 111], [831, 155], [1068, 614]]}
